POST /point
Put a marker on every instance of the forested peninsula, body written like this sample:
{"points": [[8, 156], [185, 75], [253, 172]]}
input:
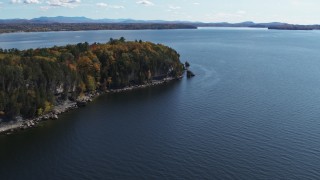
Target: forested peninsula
{"points": [[35, 82]]}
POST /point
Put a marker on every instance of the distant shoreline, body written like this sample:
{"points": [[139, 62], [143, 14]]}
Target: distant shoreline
{"points": [[51, 27], [28, 28]]}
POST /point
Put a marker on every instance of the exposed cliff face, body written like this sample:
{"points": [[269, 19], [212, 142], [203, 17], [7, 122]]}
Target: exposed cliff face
{"points": [[33, 81]]}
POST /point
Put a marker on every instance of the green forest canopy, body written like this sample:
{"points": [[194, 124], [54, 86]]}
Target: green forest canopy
{"points": [[33, 81]]}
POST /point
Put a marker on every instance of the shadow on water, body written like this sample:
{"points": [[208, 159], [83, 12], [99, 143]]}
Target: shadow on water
{"points": [[36, 142]]}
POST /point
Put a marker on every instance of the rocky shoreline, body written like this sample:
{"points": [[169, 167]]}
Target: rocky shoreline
{"points": [[23, 124]]}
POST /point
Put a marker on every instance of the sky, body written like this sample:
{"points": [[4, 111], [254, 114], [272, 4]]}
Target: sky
{"points": [[290, 11]]}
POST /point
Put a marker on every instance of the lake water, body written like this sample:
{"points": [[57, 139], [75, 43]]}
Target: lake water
{"points": [[252, 112]]}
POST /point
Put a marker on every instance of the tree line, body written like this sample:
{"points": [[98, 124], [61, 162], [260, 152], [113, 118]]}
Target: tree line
{"points": [[45, 27]]}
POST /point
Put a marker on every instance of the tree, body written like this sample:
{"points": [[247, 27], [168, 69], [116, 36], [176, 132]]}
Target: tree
{"points": [[122, 39], [91, 83], [187, 64]]}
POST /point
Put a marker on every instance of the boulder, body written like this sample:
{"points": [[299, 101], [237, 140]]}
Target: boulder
{"points": [[190, 74], [81, 103]]}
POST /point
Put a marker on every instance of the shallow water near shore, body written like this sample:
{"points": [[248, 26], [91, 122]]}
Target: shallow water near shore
{"points": [[251, 112]]}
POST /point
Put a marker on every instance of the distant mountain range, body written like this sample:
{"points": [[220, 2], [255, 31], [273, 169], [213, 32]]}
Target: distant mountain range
{"points": [[242, 24], [63, 19]]}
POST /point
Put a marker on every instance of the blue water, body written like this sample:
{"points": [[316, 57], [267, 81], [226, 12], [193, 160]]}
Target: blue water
{"points": [[251, 112]]}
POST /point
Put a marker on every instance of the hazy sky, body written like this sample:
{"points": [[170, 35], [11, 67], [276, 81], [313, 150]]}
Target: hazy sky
{"points": [[291, 11]]}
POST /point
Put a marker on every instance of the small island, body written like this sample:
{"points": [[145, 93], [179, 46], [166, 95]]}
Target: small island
{"points": [[295, 27], [39, 84], [189, 72]]}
